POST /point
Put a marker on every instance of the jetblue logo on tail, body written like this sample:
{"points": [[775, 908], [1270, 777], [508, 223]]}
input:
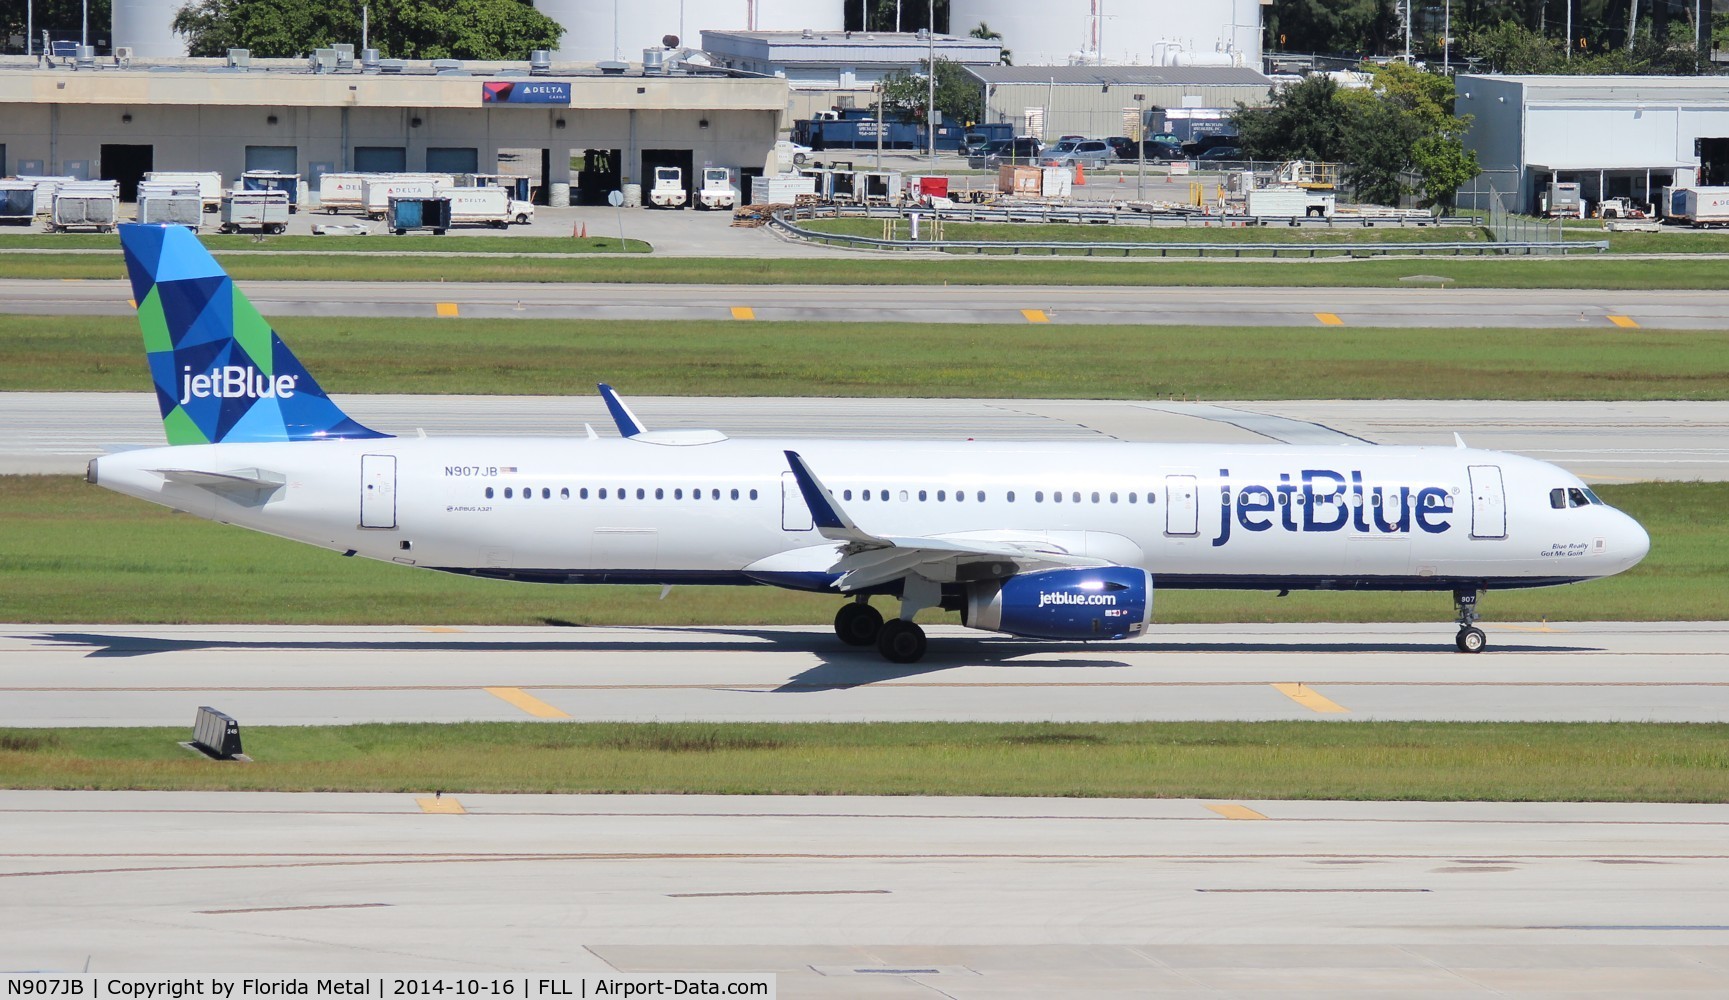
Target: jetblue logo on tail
{"points": [[235, 382]]}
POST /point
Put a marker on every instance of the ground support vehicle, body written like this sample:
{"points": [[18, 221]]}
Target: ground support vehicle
{"points": [[260, 211], [486, 206], [719, 189], [208, 183], [86, 204], [411, 213], [273, 180], [176, 203], [668, 190]]}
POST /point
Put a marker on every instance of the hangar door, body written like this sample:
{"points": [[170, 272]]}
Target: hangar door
{"points": [[127, 164], [452, 160], [282, 159], [381, 159]]}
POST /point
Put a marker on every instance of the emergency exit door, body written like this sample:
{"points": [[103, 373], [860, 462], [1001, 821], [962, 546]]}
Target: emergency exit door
{"points": [[1182, 514], [1488, 502], [378, 491], [794, 512]]}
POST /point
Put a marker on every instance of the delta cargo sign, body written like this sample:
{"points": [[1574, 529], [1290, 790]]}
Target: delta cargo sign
{"points": [[524, 92]]}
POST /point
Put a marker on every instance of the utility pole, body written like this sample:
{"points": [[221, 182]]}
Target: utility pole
{"points": [[1632, 22], [1407, 32], [1140, 148], [1447, 39], [29, 27], [880, 93], [1568, 48], [931, 107], [84, 29]]}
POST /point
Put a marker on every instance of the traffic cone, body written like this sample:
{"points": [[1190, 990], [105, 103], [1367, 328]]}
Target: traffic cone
{"points": [[1080, 175]]}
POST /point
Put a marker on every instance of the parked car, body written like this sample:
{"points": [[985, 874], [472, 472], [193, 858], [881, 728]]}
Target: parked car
{"points": [[973, 142], [1158, 149], [1195, 148], [1089, 153], [1025, 149], [787, 152], [1220, 153], [1122, 146]]}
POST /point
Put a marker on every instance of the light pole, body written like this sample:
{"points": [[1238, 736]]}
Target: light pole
{"points": [[1140, 148], [931, 105]]}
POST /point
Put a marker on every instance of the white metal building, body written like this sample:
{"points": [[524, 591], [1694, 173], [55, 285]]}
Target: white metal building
{"points": [[1120, 32], [601, 30], [199, 114], [1617, 136], [1049, 101]]}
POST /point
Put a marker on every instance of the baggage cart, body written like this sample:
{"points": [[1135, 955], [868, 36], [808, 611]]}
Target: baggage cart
{"points": [[259, 211]]}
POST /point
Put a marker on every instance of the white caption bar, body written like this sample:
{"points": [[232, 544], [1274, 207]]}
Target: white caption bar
{"points": [[83, 986]]}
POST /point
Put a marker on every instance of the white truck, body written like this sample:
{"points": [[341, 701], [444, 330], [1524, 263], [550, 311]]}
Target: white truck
{"points": [[719, 189], [668, 190], [486, 206], [1561, 199], [208, 183], [1290, 202], [1700, 207]]}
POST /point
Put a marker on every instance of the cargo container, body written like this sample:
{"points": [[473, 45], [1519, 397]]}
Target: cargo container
{"points": [[518, 185], [264, 211], [1291, 202], [208, 183], [1561, 199], [17, 201], [45, 188], [272, 180], [410, 213], [86, 204], [486, 206], [377, 190], [1700, 207], [342, 192], [781, 189], [173, 203]]}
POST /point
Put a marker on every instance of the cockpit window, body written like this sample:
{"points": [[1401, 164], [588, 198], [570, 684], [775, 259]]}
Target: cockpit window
{"points": [[1558, 498], [1576, 497], [1563, 497], [1594, 498]]}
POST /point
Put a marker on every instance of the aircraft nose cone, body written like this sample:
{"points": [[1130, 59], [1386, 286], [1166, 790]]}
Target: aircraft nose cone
{"points": [[1635, 542]]}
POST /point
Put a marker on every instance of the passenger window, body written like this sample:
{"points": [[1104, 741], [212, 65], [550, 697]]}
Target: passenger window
{"points": [[1131, 498], [1056, 496], [714, 494], [735, 494], [1113, 498], [981, 496], [846, 494], [678, 494], [1011, 496], [489, 493], [602, 493], [903, 496], [1076, 498], [507, 493], [641, 494], [564, 493], [753, 494], [545, 493], [960, 496], [1038, 496], [1095, 497], [582, 494], [942, 494], [922, 496]]}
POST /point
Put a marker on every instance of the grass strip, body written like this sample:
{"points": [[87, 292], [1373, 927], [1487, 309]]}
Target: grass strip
{"points": [[1492, 762], [71, 552], [1129, 232], [1018, 360], [1590, 272]]}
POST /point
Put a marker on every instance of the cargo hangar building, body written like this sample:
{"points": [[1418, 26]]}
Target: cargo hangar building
{"points": [[120, 122], [1615, 136]]}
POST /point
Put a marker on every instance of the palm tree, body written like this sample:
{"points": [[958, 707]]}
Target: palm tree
{"points": [[984, 31]]}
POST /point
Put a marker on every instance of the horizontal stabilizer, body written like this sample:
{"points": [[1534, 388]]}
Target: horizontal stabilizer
{"points": [[247, 487]]}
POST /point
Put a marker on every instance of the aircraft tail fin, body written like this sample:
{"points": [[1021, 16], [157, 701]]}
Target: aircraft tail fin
{"points": [[221, 373]]}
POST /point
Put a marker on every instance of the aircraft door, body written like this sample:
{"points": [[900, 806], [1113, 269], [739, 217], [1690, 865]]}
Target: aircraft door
{"points": [[1182, 515], [794, 513], [378, 491], [1488, 502]]}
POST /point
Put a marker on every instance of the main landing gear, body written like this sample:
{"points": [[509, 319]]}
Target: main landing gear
{"points": [[1471, 638], [899, 639]]}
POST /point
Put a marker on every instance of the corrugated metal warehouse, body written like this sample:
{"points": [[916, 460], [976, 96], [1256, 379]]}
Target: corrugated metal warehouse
{"points": [[118, 123], [1049, 101], [1617, 136]]}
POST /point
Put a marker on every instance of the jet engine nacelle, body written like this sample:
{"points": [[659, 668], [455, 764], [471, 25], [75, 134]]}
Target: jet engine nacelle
{"points": [[1108, 602]]}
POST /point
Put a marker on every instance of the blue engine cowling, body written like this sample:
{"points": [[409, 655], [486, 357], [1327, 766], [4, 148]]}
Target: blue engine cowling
{"points": [[1109, 602]]}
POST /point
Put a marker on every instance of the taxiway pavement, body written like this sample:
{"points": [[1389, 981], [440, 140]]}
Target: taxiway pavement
{"points": [[113, 675], [51, 432], [883, 897], [1419, 305]]}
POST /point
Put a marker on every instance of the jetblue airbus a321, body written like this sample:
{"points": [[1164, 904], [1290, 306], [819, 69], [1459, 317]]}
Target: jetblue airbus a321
{"points": [[1046, 541]]}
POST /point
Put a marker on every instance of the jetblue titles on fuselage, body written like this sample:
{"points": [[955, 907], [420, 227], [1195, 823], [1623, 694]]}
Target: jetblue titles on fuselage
{"points": [[1325, 500]]}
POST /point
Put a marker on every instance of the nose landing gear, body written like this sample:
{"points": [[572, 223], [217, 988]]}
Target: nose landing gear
{"points": [[1471, 638]]}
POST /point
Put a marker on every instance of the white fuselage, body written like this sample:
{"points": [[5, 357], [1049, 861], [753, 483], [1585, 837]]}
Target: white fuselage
{"points": [[614, 510]]}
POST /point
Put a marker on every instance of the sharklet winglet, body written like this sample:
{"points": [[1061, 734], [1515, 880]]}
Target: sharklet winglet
{"points": [[628, 425]]}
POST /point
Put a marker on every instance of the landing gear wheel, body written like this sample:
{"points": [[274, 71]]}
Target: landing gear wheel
{"points": [[857, 624], [1471, 640], [901, 641]]}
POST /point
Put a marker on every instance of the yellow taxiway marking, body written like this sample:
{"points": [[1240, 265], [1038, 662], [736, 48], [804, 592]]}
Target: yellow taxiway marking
{"points": [[528, 703], [438, 628], [132, 303], [1235, 811], [743, 312], [1035, 315], [1329, 319], [447, 309], [1625, 321], [446, 805], [1309, 698]]}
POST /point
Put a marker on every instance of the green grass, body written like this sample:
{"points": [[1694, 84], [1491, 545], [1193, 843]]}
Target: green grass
{"points": [[725, 357], [1266, 760], [1593, 272], [77, 553], [1131, 233]]}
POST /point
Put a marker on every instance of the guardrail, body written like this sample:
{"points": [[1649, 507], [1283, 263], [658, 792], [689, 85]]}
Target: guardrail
{"points": [[787, 221], [1130, 215]]}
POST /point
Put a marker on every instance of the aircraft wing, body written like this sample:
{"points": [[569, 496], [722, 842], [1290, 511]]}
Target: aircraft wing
{"points": [[867, 559]]}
